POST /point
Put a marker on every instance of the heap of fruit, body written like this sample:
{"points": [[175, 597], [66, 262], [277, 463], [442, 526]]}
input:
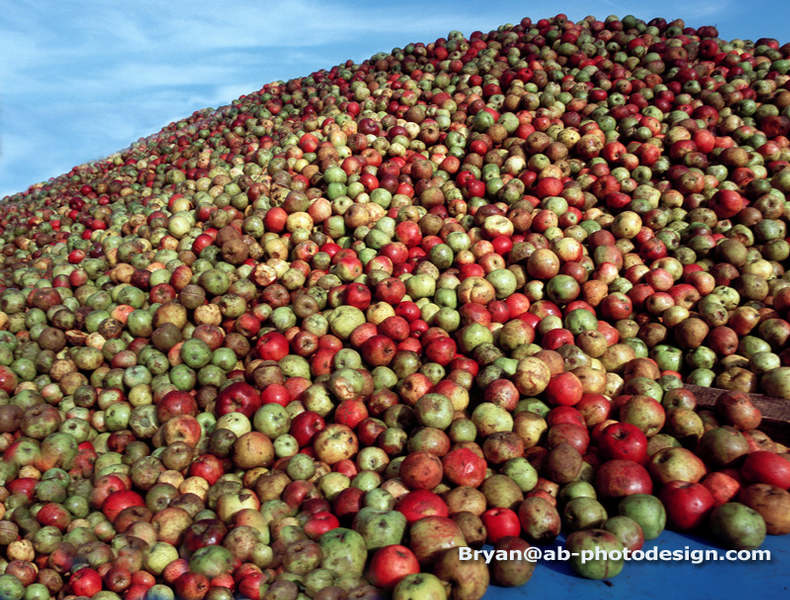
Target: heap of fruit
{"points": [[312, 344]]}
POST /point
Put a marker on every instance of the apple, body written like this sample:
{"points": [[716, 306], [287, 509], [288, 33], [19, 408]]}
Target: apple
{"points": [[472, 335], [319, 523], [723, 485], [583, 545], [687, 504], [735, 525], [419, 504], [305, 426], [191, 586], [500, 523], [468, 579], [676, 464], [391, 564], [334, 443], [379, 528], [378, 350], [540, 520], [204, 532], [463, 466], [737, 408], [628, 531], [772, 503], [647, 511], [85, 582], [343, 552], [562, 464], [623, 441], [390, 290], [645, 413], [564, 389], [617, 477], [583, 513], [118, 501], [239, 397], [514, 572], [722, 446], [419, 585], [530, 427], [576, 489], [767, 467], [430, 536]]}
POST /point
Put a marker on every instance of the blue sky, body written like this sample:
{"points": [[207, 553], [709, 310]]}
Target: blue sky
{"points": [[81, 80]]}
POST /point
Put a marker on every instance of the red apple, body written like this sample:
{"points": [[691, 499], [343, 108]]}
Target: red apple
{"points": [[391, 564], [687, 504], [623, 441], [723, 485], [616, 478], [767, 467]]}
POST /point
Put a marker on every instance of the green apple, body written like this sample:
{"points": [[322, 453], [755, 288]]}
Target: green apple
{"points": [[583, 545], [211, 561], [583, 513], [158, 556], [473, 335], [627, 531], [344, 551], [380, 528], [521, 471], [736, 525], [646, 510], [419, 586], [504, 282], [576, 489], [344, 319]]}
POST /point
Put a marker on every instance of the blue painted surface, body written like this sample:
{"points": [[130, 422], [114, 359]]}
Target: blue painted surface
{"points": [[760, 580]]}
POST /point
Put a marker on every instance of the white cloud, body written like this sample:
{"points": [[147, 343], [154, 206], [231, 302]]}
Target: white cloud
{"points": [[82, 81]]}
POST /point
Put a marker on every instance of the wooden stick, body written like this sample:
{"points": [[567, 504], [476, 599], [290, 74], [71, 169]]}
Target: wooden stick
{"points": [[775, 411]]}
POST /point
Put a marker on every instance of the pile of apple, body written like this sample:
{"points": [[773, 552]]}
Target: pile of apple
{"points": [[314, 343]]}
